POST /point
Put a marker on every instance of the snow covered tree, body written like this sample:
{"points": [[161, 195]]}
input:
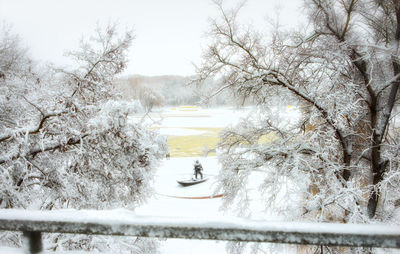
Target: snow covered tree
{"points": [[66, 141], [337, 160], [151, 98]]}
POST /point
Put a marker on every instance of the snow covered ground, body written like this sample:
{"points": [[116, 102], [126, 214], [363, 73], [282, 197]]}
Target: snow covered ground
{"points": [[171, 199], [177, 201], [176, 118]]}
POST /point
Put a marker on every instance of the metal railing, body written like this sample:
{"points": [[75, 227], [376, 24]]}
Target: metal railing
{"points": [[126, 223]]}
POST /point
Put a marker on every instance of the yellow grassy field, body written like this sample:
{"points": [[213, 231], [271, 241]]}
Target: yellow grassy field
{"points": [[193, 145]]}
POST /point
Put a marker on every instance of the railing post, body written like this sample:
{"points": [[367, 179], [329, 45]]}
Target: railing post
{"points": [[32, 242]]}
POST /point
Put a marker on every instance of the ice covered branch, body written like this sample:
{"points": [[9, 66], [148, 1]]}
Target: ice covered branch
{"points": [[38, 149]]}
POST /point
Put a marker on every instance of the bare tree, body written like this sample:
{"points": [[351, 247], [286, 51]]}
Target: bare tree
{"points": [[340, 156]]}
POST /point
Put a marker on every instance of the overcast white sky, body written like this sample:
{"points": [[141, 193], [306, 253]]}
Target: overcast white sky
{"points": [[169, 33]]}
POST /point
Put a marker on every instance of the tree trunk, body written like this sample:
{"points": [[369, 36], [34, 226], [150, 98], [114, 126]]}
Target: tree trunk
{"points": [[378, 167]]}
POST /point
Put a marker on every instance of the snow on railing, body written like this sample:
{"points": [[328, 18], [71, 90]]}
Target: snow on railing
{"points": [[126, 223]]}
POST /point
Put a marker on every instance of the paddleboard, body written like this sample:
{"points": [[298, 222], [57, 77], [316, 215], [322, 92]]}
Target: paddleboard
{"points": [[191, 181]]}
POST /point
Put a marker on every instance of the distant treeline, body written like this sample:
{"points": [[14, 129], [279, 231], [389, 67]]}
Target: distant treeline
{"points": [[156, 91]]}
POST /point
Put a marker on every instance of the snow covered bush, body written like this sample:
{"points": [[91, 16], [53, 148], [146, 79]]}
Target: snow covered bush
{"points": [[66, 140], [339, 160]]}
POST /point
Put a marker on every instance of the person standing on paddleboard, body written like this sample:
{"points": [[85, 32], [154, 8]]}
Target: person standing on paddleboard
{"points": [[198, 168]]}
